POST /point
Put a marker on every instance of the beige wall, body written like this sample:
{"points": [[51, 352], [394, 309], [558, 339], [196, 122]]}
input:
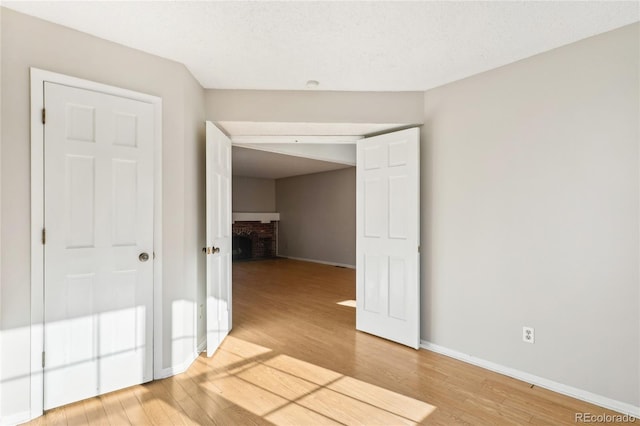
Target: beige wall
{"points": [[195, 209], [318, 216], [530, 201], [253, 194], [314, 107], [29, 42]]}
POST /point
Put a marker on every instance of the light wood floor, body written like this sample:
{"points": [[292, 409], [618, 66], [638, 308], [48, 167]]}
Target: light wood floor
{"points": [[294, 357]]}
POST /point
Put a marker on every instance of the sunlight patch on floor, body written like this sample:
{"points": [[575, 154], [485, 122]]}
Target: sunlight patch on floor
{"points": [[226, 363], [392, 402], [311, 372], [286, 390], [347, 410], [242, 348], [349, 303], [295, 415], [249, 396]]}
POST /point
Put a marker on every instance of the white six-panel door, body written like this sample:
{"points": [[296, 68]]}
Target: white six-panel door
{"points": [[388, 236], [98, 309], [218, 250]]}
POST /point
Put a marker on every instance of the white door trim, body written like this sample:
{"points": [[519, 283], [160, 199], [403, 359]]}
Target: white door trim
{"points": [[38, 78]]}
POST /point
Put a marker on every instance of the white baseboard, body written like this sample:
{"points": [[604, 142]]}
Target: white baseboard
{"points": [[343, 265], [16, 418], [602, 401], [176, 369]]}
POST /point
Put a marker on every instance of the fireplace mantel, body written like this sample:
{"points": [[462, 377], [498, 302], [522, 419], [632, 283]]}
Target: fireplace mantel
{"points": [[255, 217]]}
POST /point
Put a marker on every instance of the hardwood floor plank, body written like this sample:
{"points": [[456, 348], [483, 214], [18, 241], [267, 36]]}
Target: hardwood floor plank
{"points": [[295, 415], [75, 414], [114, 409], [195, 413], [132, 407], [445, 418], [55, 417], [236, 415], [170, 407], [152, 406], [391, 402], [96, 415], [493, 412]]}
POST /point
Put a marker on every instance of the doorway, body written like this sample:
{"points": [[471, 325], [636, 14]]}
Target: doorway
{"points": [[388, 281]]}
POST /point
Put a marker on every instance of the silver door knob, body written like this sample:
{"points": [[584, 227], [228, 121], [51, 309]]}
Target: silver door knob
{"points": [[143, 257]]}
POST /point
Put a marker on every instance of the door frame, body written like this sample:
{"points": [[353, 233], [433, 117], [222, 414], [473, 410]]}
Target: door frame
{"points": [[38, 78]]}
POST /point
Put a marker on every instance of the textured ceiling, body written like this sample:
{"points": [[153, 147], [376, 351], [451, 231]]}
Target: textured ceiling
{"points": [[376, 46]]}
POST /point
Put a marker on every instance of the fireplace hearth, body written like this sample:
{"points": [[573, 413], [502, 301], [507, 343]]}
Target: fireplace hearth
{"points": [[241, 247], [254, 240]]}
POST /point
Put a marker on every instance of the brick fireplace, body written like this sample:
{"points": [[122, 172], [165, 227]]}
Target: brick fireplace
{"points": [[254, 239]]}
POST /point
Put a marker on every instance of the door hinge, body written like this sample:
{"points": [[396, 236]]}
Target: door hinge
{"points": [[44, 236], [418, 249], [42, 359], [44, 115]]}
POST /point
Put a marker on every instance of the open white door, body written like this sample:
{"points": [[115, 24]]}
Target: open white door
{"points": [[388, 236], [218, 250]]}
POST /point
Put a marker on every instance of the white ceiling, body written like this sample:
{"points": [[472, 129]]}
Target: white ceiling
{"points": [[269, 165], [373, 46]]}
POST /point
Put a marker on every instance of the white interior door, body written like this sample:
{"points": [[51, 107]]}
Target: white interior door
{"points": [[218, 250], [388, 236], [98, 304]]}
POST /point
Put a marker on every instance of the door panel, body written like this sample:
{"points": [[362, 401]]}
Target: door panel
{"points": [[218, 182], [98, 308], [388, 237]]}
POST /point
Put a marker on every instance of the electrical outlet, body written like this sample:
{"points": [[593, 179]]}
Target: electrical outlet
{"points": [[528, 334]]}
